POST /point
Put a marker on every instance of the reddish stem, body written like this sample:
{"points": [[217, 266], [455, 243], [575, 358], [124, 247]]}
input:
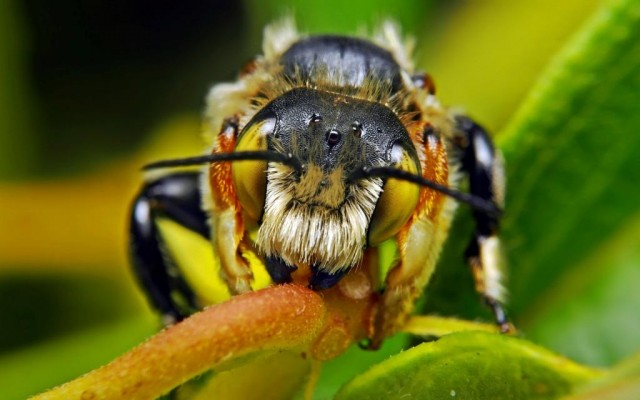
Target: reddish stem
{"points": [[279, 317]]}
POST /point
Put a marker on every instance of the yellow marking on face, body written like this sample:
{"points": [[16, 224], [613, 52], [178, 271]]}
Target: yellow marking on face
{"points": [[250, 177], [396, 204]]}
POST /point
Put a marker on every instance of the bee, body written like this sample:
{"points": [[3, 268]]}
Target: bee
{"points": [[325, 148]]}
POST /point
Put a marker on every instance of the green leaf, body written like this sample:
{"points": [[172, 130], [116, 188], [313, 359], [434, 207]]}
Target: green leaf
{"points": [[572, 199], [622, 383], [354, 361], [572, 158], [591, 313], [571, 152], [468, 365]]}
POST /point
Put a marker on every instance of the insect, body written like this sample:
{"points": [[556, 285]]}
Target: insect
{"points": [[323, 149]]}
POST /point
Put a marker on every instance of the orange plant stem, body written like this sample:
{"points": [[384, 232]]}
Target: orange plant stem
{"points": [[279, 317]]}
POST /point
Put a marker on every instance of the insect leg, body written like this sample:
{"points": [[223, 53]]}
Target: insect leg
{"points": [[227, 223], [419, 243], [482, 163], [176, 197]]}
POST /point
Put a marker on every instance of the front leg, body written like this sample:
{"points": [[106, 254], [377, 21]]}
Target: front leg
{"points": [[419, 244], [483, 166], [227, 222]]}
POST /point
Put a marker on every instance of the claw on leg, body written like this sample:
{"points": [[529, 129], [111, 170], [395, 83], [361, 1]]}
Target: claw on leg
{"points": [[502, 321]]}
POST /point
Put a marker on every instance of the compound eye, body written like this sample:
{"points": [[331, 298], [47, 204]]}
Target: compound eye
{"points": [[250, 177], [397, 201]]}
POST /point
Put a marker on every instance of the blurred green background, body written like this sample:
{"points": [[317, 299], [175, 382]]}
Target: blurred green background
{"points": [[90, 90]]}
